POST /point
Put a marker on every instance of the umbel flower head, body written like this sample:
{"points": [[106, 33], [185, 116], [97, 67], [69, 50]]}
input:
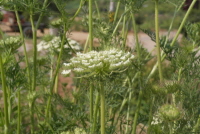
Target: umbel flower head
{"points": [[100, 63], [55, 44], [10, 41]]}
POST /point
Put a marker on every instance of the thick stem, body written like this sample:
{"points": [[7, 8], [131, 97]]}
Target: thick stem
{"points": [[102, 95], [158, 42], [90, 26], [5, 98]]}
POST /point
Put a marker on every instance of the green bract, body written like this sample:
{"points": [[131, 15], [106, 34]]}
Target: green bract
{"points": [[98, 63], [76, 131], [169, 112]]}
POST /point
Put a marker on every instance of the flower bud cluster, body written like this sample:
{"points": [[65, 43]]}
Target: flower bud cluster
{"points": [[10, 41], [170, 112], [76, 131], [98, 63], [55, 44], [56, 23]]}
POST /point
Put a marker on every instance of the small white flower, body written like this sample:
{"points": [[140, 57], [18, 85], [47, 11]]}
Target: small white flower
{"points": [[78, 69], [66, 72], [67, 64]]}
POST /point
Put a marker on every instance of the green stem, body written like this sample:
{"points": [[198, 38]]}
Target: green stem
{"points": [[34, 31], [150, 114], [116, 11], [137, 112], [24, 45], [95, 112], [174, 39], [97, 8], [158, 42], [183, 22], [102, 95], [91, 105], [90, 26], [47, 113], [19, 113], [56, 84], [5, 98]]}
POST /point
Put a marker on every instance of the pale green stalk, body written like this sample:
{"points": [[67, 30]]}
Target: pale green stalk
{"points": [[91, 106], [118, 23], [174, 39], [116, 11], [5, 97], [138, 47], [78, 10], [158, 42], [97, 8], [34, 31], [150, 114], [90, 25], [19, 113], [86, 45], [24, 45], [47, 112], [125, 100], [102, 96], [137, 112], [95, 112]]}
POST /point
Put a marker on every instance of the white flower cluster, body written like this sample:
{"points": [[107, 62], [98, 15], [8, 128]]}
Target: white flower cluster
{"points": [[10, 41], [103, 62], [156, 120], [55, 44]]}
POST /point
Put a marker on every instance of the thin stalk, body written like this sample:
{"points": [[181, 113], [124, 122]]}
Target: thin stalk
{"points": [[150, 114], [34, 31], [102, 96], [174, 39], [118, 23], [95, 112], [24, 45], [19, 113], [116, 11], [183, 22], [5, 98], [86, 45], [158, 42], [91, 105], [90, 26], [56, 85], [97, 8], [78, 10], [137, 112], [47, 113]]}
